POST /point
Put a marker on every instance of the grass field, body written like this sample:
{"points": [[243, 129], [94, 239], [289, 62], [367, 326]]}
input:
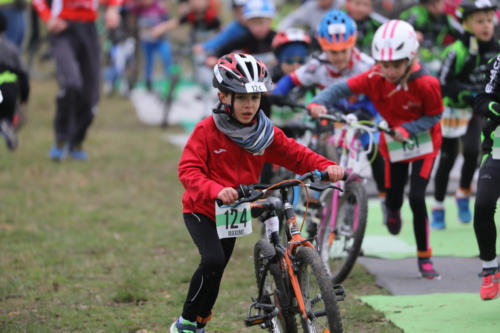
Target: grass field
{"points": [[100, 246]]}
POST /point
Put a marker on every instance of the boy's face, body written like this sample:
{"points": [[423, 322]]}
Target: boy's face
{"points": [[339, 59], [245, 105], [393, 70], [481, 25], [359, 9], [291, 64], [259, 27], [435, 7]]}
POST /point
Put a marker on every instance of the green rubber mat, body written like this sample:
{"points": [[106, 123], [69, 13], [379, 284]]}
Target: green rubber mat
{"points": [[457, 240], [443, 313]]}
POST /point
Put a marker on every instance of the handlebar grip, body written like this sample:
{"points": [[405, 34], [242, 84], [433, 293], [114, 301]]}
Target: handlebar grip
{"points": [[324, 175], [243, 191], [219, 202]]}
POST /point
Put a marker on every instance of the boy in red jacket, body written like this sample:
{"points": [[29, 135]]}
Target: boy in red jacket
{"points": [[225, 150], [409, 99]]}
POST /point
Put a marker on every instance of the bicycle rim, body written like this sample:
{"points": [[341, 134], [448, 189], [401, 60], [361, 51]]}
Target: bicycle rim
{"points": [[318, 294], [340, 248], [274, 290]]}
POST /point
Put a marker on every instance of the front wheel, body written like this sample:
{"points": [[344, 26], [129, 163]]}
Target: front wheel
{"points": [[318, 294], [274, 291], [340, 247]]}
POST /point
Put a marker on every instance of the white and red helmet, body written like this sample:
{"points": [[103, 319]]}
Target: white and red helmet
{"points": [[394, 40], [241, 73]]}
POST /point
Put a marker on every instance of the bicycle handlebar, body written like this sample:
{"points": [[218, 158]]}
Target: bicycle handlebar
{"points": [[251, 193]]}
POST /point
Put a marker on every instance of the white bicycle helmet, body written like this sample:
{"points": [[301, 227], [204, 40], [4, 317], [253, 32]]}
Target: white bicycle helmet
{"points": [[394, 40], [241, 73]]}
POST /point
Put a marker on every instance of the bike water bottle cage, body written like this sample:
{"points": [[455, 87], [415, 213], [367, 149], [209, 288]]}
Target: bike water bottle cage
{"points": [[337, 31]]}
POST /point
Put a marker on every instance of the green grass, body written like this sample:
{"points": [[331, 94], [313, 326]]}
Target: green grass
{"points": [[100, 246]]}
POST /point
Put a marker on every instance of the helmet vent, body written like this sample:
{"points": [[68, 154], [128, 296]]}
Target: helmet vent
{"points": [[400, 46]]}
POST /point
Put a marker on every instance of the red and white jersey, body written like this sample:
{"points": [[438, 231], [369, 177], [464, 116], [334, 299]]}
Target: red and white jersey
{"points": [[72, 10], [319, 72]]}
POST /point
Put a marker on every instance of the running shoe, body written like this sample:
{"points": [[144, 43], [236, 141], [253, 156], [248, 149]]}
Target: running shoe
{"points": [[184, 326], [56, 153], [8, 133], [427, 270], [78, 154], [393, 221], [437, 219], [489, 288], [464, 214]]}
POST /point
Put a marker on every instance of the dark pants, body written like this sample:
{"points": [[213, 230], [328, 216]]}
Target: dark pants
{"points": [[215, 254], [10, 96], [77, 56], [395, 195], [471, 142], [488, 191]]}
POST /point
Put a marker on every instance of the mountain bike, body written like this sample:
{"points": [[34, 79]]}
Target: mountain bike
{"points": [[292, 280]]}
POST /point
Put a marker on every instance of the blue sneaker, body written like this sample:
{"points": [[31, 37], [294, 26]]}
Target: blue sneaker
{"points": [[464, 214], [56, 153], [78, 154], [437, 219], [184, 326]]}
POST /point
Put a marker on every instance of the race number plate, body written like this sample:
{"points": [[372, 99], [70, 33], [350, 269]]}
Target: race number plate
{"points": [[233, 221], [400, 151]]}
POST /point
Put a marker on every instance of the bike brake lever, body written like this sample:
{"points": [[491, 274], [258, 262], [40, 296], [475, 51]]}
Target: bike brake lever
{"points": [[321, 187]]}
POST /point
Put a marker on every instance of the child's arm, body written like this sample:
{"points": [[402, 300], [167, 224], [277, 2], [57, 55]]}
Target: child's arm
{"points": [[328, 97], [487, 103], [193, 170], [164, 27], [433, 105], [232, 31], [461, 94]]}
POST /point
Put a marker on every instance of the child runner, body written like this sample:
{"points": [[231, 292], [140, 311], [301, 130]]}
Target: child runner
{"points": [[150, 14], [435, 30], [225, 150], [291, 48], [487, 103], [410, 101], [340, 60], [367, 21], [460, 78], [14, 86]]}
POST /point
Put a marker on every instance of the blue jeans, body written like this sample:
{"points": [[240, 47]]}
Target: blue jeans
{"points": [[150, 48], [16, 21]]}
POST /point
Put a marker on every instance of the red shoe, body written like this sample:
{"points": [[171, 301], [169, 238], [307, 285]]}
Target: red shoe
{"points": [[489, 288]]}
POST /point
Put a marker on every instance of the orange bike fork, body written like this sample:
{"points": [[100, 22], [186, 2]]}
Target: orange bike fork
{"points": [[295, 284]]}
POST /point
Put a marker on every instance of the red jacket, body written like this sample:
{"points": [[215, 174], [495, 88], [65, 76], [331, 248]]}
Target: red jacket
{"points": [[72, 10], [423, 97], [211, 161]]}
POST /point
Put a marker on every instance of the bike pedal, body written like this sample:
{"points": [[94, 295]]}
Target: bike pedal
{"points": [[254, 320], [339, 292]]}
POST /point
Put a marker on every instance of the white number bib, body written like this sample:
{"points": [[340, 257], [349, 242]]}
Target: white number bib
{"points": [[399, 151], [495, 151], [455, 121], [233, 221]]}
